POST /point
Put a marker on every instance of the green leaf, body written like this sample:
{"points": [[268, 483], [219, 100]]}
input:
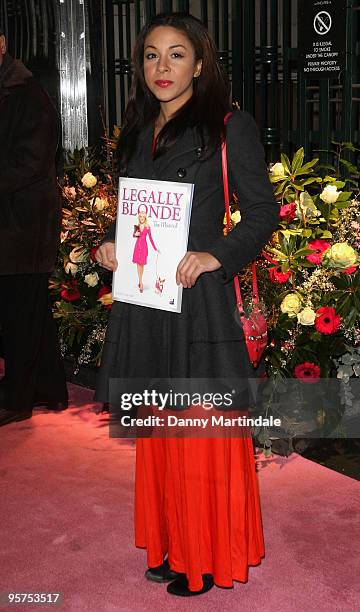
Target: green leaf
{"points": [[340, 204], [349, 146], [326, 234], [286, 162], [313, 179], [279, 254], [339, 184], [297, 160], [326, 167], [344, 195], [302, 252]]}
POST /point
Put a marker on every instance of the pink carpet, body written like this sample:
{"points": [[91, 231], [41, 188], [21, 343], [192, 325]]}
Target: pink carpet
{"points": [[67, 525]]}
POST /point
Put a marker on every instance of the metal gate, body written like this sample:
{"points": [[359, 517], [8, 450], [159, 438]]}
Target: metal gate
{"points": [[258, 43]]}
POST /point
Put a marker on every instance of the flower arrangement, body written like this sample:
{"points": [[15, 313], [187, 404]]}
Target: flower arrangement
{"points": [[80, 287], [309, 274]]}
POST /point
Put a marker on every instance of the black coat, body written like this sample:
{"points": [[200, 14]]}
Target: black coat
{"points": [[206, 338], [30, 204]]}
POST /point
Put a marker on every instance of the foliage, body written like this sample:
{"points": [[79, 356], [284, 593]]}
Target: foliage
{"points": [[309, 276], [80, 287]]}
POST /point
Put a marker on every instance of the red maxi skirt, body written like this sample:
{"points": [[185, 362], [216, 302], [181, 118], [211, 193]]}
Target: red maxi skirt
{"points": [[197, 499]]}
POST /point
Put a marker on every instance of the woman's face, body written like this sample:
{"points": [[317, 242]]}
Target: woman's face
{"points": [[141, 218], [170, 66]]}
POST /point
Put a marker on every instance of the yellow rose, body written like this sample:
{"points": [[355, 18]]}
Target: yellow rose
{"points": [[236, 217], [70, 268], [341, 255], [78, 255], [106, 299], [330, 194], [307, 316], [277, 169], [291, 304], [91, 279], [99, 204], [89, 180]]}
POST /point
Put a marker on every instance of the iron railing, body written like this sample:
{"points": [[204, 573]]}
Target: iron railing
{"points": [[258, 43]]}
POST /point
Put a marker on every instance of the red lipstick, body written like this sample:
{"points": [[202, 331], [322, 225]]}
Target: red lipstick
{"points": [[163, 83]]}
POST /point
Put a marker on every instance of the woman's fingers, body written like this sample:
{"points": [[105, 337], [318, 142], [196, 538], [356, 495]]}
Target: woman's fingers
{"points": [[188, 270], [105, 255], [192, 265]]}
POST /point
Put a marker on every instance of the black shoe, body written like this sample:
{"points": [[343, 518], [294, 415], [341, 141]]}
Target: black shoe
{"points": [[12, 416], [162, 573], [54, 405], [180, 586]]}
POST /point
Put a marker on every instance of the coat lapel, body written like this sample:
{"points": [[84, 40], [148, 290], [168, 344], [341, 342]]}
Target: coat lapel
{"points": [[186, 148]]}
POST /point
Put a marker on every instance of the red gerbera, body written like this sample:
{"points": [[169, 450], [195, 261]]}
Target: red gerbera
{"points": [[318, 246], [307, 372], [277, 276], [350, 270], [288, 211], [70, 293], [327, 321]]}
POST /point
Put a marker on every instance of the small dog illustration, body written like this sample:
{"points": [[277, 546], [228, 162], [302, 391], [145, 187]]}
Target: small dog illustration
{"points": [[159, 285]]}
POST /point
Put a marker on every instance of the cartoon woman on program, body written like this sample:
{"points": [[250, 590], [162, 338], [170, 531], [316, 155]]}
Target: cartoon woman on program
{"points": [[141, 232]]}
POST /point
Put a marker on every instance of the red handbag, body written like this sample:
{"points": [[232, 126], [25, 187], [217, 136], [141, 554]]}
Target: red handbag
{"points": [[254, 326]]}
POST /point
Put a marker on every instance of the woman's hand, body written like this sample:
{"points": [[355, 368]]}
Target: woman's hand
{"points": [[105, 256], [192, 265]]}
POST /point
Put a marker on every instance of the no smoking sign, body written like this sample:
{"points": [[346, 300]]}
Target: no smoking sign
{"points": [[322, 23], [322, 38]]}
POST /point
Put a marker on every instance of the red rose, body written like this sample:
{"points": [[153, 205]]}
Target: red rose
{"points": [[307, 372], [350, 270], [318, 246], [104, 290], [327, 321], [93, 254], [288, 212], [277, 276], [70, 293]]}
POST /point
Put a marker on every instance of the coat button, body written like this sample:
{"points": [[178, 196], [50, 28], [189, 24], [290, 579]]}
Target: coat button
{"points": [[181, 172], [199, 151]]}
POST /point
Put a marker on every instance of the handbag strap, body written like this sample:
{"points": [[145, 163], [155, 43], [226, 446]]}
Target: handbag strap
{"points": [[255, 294]]}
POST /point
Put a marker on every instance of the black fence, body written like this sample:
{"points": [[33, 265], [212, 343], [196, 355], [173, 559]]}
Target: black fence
{"points": [[258, 42]]}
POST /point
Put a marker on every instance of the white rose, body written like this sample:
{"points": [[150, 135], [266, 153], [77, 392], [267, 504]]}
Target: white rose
{"points": [[330, 194], [277, 169], [99, 204], [340, 255], [92, 279], [71, 268], [78, 254], [291, 304], [236, 217], [307, 316], [89, 180]]}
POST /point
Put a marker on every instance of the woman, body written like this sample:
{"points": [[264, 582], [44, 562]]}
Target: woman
{"points": [[140, 253], [195, 499]]}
